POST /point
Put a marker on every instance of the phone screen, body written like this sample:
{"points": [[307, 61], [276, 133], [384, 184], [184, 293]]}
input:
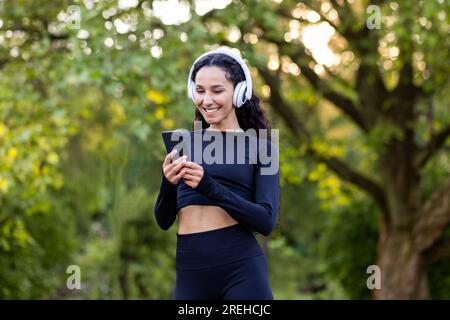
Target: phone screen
{"points": [[180, 140]]}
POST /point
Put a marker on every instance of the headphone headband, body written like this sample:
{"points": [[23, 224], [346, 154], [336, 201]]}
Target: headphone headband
{"points": [[243, 90]]}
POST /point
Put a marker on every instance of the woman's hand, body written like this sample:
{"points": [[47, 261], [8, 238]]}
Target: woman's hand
{"points": [[171, 169], [193, 174]]}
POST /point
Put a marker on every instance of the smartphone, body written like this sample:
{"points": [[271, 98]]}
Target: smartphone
{"points": [[180, 140]]}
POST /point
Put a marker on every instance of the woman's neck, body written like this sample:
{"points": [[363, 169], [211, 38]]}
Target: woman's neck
{"points": [[221, 126], [210, 128], [229, 123]]}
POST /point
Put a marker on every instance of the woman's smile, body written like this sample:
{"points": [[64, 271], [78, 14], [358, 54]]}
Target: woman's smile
{"points": [[211, 111]]}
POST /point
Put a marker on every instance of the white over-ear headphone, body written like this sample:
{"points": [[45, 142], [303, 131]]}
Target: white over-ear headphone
{"points": [[242, 91]]}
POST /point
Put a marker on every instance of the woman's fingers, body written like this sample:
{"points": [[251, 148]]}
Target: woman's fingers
{"points": [[180, 174], [181, 168], [188, 176], [174, 176], [176, 162], [193, 176], [170, 169], [193, 172], [179, 163], [173, 167], [169, 157], [191, 179], [193, 165]]}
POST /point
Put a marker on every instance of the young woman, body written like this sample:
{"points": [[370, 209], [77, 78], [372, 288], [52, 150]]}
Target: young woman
{"points": [[221, 206]]}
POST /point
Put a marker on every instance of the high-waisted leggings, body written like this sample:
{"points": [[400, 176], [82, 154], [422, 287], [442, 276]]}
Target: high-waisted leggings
{"points": [[225, 263]]}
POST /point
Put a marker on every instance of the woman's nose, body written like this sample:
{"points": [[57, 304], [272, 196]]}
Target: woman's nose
{"points": [[207, 99]]}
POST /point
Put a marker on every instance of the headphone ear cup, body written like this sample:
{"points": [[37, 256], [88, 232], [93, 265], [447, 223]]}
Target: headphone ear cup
{"points": [[191, 91], [239, 94]]}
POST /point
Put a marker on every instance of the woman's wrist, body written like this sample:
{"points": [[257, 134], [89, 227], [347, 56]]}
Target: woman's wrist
{"points": [[166, 185], [205, 183]]}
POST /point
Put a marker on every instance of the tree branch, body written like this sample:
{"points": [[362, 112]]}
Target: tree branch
{"points": [[358, 179], [286, 13], [433, 218], [347, 19], [435, 143], [343, 103], [299, 130], [440, 250], [296, 54], [281, 106], [348, 22]]}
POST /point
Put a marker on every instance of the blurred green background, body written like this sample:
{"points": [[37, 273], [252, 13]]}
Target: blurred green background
{"points": [[358, 89]]}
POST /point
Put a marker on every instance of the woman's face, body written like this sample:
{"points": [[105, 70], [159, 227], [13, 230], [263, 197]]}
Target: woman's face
{"points": [[213, 92]]}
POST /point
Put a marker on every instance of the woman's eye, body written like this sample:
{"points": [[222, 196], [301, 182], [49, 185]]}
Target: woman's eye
{"points": [[200, 91]]}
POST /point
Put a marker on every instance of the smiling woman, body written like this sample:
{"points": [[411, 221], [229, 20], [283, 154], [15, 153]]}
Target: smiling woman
{"points": [[217, 81], [221, 206]]}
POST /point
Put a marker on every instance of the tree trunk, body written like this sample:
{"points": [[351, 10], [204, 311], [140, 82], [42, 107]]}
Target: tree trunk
{"points": [[410, 232], [403, 267], [402, 263]]}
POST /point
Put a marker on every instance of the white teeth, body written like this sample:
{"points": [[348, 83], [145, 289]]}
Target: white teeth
{"points": [[211, 110]]}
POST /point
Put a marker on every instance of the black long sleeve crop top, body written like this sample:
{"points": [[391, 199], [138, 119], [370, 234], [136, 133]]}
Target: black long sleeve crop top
{"points": [[240, 174]]}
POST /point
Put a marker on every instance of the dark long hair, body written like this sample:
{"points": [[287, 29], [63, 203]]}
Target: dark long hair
{"points": [[250, 115]]}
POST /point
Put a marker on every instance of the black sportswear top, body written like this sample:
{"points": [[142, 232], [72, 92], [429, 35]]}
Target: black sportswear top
{"points": [[240, 174]]}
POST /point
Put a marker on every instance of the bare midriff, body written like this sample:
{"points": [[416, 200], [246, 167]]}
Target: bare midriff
{"points": [[199, 218]]}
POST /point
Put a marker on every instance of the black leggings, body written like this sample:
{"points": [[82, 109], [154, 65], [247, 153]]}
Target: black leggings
{"points": [[225, 263]]}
